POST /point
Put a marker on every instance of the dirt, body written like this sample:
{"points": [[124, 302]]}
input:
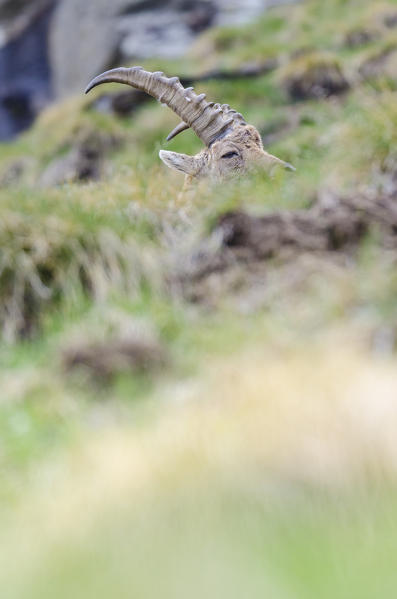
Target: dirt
{"points": [[380, 65], [102, 361], [334, 225], [309, 77], [360, 37], [85, 161]]}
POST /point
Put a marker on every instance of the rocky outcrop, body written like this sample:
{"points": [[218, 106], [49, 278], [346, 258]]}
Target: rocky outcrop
{"points": [[84, 40], [24, 64], [85, 161], [103, 361], [51, 48], [381, 65], [242, 246], [88, 37], [313, 76]]}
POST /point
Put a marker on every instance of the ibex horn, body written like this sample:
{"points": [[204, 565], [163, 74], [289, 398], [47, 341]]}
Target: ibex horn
{"points": [[208, 120], [178, 129]]}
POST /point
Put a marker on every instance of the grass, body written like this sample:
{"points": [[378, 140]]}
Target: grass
{"points": [[236, 513], [260, 460], [220, 550]]}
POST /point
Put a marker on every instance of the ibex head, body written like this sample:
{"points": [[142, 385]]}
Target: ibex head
{"points": [[232, 146]]}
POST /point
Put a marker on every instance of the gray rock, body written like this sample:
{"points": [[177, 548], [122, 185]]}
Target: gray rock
{"points": [[54, 47], [17, 16], [381, 65], [88, 37], [10, 8], [24, 67], [91, 36], [13, 172], [143, 36], [85, 161], [83, 41]]}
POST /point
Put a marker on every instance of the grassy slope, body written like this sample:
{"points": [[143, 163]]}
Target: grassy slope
{"points": [[232, 472]]}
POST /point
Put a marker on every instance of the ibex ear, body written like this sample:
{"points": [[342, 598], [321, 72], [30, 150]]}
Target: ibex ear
{"points": [[190, 165]]}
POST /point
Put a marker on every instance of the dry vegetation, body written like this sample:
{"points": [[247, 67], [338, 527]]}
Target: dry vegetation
{"points": [[198, 398]]}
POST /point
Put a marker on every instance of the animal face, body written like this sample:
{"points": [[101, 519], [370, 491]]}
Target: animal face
{"points": [[232, 146], [238, 153]]}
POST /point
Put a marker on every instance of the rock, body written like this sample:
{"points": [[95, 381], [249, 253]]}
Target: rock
{"points": [[360, 37], [241, 243], [84, 162], [121, 104], [382, 65], [14, 171], [390, 20], [313, 76], [236, 12], [201, 17], [73, 167], [88, 37], [169, 37], [14, 11], [54, 47], [24, 67], [103, 361], [83, 41]]}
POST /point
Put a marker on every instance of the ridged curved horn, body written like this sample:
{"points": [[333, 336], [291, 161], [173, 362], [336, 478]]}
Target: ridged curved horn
{"points": [[178, 129], [208, 120]]}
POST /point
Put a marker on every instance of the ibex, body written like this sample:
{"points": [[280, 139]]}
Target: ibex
{"points": [[232, 146]]}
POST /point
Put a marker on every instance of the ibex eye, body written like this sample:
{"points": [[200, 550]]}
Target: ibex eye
{"points": [[230, 154]]}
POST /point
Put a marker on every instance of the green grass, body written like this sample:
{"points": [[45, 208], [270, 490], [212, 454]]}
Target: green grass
{"points": [[230, 546]]}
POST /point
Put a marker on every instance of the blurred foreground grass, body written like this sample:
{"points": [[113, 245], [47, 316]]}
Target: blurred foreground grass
{"points": [[260, 458], [270, 477]]}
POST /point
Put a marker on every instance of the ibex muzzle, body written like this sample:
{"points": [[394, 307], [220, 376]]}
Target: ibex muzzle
{"points": [[232, 146]]}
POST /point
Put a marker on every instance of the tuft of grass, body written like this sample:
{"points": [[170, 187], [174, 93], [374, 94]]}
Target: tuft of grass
{"points": [[363, 148], [57, 245]]}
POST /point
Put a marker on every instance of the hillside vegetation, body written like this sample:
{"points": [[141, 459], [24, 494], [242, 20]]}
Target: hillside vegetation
{"points": [[198, 396]]}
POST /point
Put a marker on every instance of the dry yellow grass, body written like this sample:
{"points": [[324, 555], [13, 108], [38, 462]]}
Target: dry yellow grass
{"points": [[325, 417]]}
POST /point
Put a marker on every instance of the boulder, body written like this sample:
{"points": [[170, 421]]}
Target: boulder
{"points": [[381, 66], [52, 48], [85, 160], [24, 66], [9, 9], [89, 37], [313, 76], [360, 36], [83, 41]]}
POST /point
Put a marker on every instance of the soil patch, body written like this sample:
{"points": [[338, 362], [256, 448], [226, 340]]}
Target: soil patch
{"points": [[102, 361], [313, 76], [330, 226]]}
